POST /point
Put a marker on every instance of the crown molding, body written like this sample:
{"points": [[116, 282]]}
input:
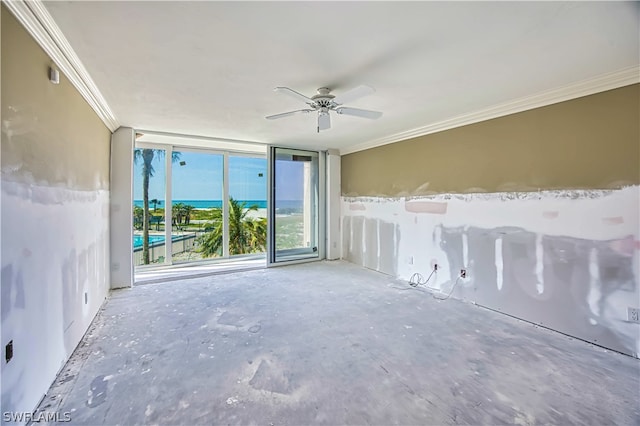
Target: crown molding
{"points": [[601, 83], [40, 24]]}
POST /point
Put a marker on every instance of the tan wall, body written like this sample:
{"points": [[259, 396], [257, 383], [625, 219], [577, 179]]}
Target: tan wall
{"points": [[54, 230], [50, 135], [586, 143]]}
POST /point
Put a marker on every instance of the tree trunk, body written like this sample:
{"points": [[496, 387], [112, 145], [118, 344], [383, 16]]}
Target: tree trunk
{"points": [[147, 156]]}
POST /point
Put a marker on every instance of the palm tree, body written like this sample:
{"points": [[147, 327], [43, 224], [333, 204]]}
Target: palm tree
{"points": [[147, 155], [138, 215], [155, 203], [177, 212], [211, 241], [186, 212], [246, 234]]}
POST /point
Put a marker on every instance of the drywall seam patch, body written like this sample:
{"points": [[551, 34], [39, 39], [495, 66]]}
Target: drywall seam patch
{"points": [[617, 220], [432, 207]]}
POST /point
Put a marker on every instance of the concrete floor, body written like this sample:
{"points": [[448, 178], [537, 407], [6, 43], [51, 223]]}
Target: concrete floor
{"points": [[330, 343]]}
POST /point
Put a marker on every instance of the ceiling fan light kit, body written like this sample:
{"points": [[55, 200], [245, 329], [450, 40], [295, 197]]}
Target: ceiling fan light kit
{"points": [[323, 102]]}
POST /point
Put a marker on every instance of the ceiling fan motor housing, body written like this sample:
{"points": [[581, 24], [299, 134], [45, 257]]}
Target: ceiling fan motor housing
{"points": [[324, 98]]}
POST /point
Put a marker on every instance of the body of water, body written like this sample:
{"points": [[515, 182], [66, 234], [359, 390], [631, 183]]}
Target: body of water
{"points": [[137, 240], [155, 238]]}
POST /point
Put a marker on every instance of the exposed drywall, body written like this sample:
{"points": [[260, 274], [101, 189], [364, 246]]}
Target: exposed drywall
{"points": [[55, 218], [541, 208], [568, 260], [586, 143]]}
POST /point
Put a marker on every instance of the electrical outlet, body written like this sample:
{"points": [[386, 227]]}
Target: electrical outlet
{"points": [[633, 314], [8, 351], [435, 266], [463, 273]]}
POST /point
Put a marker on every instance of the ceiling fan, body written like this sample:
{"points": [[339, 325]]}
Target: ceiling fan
{"points": [[324, 101]]}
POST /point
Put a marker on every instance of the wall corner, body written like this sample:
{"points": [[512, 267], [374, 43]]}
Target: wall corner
{"points": [[334, 246], [121, 213]]}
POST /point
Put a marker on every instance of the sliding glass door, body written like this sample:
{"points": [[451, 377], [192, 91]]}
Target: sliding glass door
{"points": [[195, 204], [247, 205], [297, 219], [196, 195], [192, 205], [219, 205]]}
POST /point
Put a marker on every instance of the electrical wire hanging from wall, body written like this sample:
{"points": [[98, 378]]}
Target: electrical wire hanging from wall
{"points": [[418, 280]]}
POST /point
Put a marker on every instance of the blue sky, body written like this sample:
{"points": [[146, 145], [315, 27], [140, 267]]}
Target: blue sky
{"points": [[201, 178]]}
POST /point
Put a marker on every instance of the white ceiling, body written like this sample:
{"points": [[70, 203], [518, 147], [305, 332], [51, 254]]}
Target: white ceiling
{"points": [[208, 68]]}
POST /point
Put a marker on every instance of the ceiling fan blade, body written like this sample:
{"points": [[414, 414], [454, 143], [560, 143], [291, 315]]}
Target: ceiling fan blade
{"points": [[294, 94], [287, 114], [356, 112], [353, 94], [324, 121]]}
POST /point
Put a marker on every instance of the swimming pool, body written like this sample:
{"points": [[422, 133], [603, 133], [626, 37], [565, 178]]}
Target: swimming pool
{"points": [[137, 240]]}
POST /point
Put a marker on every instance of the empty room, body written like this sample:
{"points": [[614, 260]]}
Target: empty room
{"points": [[340, 213]]}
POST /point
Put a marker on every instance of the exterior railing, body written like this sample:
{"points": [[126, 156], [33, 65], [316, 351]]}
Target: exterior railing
{"points": [[179, 244]]}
